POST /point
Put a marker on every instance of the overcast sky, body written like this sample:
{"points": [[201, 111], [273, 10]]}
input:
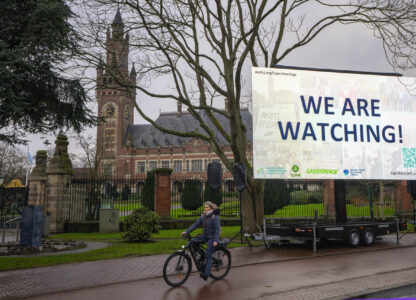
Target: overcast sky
{"points": [[351, 47]]}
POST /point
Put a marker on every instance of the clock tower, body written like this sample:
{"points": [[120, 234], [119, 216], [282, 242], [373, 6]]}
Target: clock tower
{"points": [[114, 98]]}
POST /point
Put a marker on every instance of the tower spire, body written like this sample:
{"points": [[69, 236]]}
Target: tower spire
{"points": [[117, 19]]}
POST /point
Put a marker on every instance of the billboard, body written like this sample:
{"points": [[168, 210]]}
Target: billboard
{"points": [[333, 125]]}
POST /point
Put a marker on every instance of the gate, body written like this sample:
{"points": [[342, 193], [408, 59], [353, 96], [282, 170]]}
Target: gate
{"points": [[12, 201], [89, 194]]}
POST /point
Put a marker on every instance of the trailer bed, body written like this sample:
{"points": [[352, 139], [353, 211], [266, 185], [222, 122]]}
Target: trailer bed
{"points": [[355, 232]]}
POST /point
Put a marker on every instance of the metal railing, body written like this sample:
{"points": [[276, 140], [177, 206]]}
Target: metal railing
{"points": [[285, 199], [190, 192], [14, 221]]}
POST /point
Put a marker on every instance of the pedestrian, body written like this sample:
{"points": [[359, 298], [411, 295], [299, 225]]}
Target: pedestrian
{"points": [[211, 224]]}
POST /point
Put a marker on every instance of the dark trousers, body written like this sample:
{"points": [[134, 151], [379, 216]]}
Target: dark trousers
{"points": [[196, 242]]}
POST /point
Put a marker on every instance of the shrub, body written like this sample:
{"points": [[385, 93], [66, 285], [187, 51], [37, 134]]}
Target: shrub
{"points": [[276, 196], [191, 196], [306, 197], [111, 190], [215, 197], [125, 193], [148, 193], [141, 224]]}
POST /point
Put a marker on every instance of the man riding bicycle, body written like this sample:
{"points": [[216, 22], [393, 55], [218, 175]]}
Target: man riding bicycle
{"points": [[211, 223]]}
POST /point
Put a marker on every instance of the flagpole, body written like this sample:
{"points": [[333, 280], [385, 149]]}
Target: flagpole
{"points": [[27, 165]]}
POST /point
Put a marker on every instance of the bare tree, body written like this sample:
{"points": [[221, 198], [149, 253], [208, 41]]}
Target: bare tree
{"points": [[13, 163], [90, 159], [205, 49]]}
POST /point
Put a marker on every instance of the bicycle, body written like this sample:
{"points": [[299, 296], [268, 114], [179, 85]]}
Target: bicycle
{"points": [[178, 266]]}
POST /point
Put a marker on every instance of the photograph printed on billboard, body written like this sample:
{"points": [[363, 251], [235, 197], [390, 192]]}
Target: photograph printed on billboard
{"points": [[333, 125]]}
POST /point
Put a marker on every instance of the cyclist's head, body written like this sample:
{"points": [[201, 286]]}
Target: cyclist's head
{"points": [[211, 205]]}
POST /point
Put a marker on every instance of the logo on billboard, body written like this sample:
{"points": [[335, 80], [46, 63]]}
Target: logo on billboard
{"points": [[295, 169], [275, 170], [322, 171], [353, 172], [260, 171]]}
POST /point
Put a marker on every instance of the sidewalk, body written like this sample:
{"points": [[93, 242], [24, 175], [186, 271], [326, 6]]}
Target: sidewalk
{"points": [[30, 282]]}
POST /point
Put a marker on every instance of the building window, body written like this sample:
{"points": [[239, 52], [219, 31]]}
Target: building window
{"points": [[197, 165], [187, 166], [206, 164], [152, 165], [165, 164], [108, 169], [177, 166], [141, 167]]}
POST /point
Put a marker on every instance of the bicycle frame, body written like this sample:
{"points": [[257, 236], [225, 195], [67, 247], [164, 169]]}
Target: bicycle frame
{"points": [[188, 247]]}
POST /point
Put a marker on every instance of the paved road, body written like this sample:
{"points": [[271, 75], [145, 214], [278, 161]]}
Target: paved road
{"points": [[338, 276]]}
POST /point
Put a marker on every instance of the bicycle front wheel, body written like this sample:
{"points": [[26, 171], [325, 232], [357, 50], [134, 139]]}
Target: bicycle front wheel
{"points": [[221, 263], [177, 269]]}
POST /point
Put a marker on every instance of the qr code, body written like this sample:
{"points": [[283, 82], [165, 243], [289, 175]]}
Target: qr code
{"points": [[409, 157]]}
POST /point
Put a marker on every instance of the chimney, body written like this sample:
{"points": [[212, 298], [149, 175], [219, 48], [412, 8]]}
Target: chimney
{"points": [[179, 114]]}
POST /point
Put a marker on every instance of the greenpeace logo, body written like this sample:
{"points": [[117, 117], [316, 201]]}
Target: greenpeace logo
{"points": [[322, 171]]}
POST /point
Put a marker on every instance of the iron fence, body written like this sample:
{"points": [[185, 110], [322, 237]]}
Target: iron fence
{"points": [[12, 201], [370, 199], [293, 198], [301, 198], [285, 199], [89, 194], [190, 192]]}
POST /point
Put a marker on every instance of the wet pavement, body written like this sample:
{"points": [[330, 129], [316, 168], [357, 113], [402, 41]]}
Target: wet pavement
{"points": [[324, 277], [255, 273]]}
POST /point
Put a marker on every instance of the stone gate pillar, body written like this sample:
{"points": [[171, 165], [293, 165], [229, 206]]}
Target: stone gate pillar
{"points": [[59, 174], [37, 181], [162, 192]]}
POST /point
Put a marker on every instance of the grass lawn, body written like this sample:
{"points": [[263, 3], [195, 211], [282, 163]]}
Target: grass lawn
{"points": [[308, 210], [167, 241]]}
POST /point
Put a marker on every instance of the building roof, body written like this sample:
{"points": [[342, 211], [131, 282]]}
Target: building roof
{"points": [[145, 135], [117, 19]]}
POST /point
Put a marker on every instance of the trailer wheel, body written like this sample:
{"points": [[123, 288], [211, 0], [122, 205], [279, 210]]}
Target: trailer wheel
{"points": [[368, 236], [354, 237]]}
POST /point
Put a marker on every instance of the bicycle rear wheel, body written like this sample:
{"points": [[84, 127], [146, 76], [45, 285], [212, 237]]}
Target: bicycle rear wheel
{"points": [[221, 263], [177, 269]]}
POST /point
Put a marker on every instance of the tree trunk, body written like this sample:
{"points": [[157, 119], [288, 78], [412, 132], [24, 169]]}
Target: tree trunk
{"points": [[252, 205]]}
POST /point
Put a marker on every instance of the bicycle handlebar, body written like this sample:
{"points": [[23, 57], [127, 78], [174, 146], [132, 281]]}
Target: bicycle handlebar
{"points": [[187, 236]]}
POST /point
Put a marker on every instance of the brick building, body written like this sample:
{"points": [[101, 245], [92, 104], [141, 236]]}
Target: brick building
{"points": [[133, 149]]}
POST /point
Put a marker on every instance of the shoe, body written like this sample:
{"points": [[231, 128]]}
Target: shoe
{"points": [[203, 276]]}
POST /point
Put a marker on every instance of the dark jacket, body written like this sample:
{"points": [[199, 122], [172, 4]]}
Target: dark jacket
{"points": [[211, 224]]}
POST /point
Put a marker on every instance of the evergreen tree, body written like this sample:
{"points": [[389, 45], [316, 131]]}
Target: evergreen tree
{"points": [[149, 191], [191, 196], [36, 38], [215, 197], [276, 196]]}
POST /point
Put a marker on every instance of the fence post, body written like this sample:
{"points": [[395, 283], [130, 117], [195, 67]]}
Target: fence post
{"points": [[162, 192]]}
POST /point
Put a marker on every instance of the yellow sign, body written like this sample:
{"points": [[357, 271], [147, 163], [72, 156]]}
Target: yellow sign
{"points": [[15, 183]]}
